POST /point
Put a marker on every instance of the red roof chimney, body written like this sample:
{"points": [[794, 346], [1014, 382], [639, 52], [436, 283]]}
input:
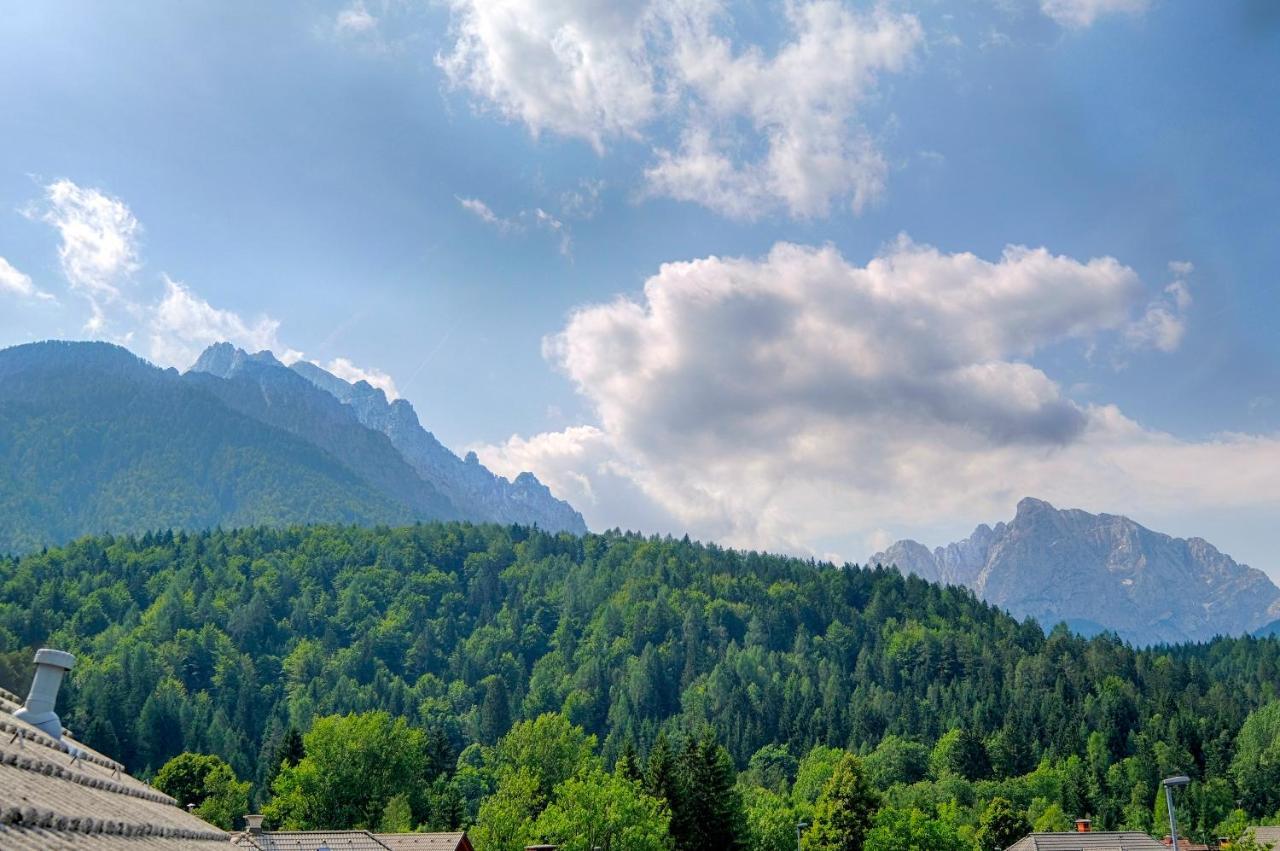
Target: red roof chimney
{"points": [[1083, 825]]}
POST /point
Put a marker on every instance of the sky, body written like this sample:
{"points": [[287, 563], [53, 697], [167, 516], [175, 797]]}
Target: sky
{"points": [[801, 275]]}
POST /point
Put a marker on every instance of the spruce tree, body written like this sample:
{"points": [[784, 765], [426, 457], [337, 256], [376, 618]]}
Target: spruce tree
{"points": [[844, 811]]}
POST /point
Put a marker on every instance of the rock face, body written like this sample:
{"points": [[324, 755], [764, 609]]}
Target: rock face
{"points": [[477, 493], [1099, 572], [356, 423]]}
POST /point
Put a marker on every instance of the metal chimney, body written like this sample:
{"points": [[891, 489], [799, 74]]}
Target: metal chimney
{"points": [[253, 823], [38, 709]]}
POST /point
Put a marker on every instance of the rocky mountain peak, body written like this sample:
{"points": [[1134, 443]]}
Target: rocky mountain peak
{"points": [[1099, 571]]}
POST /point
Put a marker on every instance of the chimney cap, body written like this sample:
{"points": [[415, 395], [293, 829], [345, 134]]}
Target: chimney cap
{"points": [[1083, 825], [57, 658], [253, 822]]}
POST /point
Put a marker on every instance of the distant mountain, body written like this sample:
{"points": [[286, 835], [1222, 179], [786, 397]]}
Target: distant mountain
{"points": [[476, 492], [1099, 572], [261, 387], [93, 439]]}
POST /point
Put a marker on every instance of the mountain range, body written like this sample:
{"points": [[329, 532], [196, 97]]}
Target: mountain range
{"points": [[94, 439], [1099, 572]]}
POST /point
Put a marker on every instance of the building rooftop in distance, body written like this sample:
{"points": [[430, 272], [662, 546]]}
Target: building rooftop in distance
{"points": [[1100, 840], [56, 793], [349, 840]]}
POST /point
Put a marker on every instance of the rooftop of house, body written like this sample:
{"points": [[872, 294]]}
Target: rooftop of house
{"points": [[57, 793], [349, 840], [1267, 836], [1100, 840]]}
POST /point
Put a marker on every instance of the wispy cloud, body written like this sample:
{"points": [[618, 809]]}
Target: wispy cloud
{"points": [[19, 283], [1080, 14], [348, 371], [99, 248], [537, 218]]}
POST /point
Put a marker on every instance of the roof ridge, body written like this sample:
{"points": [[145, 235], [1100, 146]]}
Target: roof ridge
{"points": [[37, 817]]}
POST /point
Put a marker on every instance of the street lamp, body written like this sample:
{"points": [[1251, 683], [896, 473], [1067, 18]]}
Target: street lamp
{"points": [[800, 826], [1169, 784]]}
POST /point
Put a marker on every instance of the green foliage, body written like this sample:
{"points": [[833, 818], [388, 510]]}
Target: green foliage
{"points": [[397, 815], [844, 813], [354, 766], [605, 811], [708, 812], [1256, 767], [772, 819], [207, 782], [1001, 825], [222, 642], [896, 760], [549, 749], [912, 830], [92, 438], [183, 777]]}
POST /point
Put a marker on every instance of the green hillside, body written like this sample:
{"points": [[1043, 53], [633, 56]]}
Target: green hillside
{"points": [[93, 439], [221, 642]]}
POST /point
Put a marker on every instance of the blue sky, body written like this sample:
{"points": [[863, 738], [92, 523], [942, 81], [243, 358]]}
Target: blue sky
{"points": [[473, 202]]}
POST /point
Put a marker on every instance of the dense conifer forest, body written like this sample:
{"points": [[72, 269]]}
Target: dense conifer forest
{"points": [[659, 668]]}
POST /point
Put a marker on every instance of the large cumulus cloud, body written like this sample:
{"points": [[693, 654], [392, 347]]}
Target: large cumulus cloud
{"points": [[799, 398]]}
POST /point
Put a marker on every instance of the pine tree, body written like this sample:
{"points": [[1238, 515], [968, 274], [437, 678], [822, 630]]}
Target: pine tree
{"points": [[845, 810], [713, 814], [628, 764]]}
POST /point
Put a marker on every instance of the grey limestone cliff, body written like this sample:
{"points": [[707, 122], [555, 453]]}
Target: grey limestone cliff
{"points": [[1099, 571]]}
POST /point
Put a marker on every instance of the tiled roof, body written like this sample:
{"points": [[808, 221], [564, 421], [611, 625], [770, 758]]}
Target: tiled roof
{"points": [[57, 794], [1267, 836], [309, 840], [350, 840], [1098, 840], [425, 841]]}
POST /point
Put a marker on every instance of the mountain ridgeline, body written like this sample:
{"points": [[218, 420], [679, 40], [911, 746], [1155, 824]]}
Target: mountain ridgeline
{"points": [[1100, 572], [94, 439], [222, 641]]}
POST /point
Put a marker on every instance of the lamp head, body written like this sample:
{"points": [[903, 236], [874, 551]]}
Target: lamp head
{"points": [[1180, 780]]}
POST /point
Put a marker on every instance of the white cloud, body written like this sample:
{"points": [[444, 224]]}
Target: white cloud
{"points": [[1079, 14], [182, 324], [355, 19], [348, 371], [577, 68], [537, 217], [800, 103], [99, 249], [584, 201], [19, 283], [1164, 323], [628, 70], [799, 399], [482, 211]]}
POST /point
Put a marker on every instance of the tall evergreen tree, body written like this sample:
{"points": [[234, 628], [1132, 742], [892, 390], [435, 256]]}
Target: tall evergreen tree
{"points": [[845, 810]]}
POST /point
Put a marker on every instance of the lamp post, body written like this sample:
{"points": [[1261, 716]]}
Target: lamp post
{"points": [[1169, 784], [800, 826]]}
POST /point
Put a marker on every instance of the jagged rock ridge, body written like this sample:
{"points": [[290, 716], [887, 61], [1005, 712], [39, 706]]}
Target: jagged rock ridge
{"points": [[474, 492], [1099, 571]]}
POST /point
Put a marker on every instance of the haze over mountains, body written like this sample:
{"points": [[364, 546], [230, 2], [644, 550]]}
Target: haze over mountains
{"points": [[1099, 572], [94, 439]]}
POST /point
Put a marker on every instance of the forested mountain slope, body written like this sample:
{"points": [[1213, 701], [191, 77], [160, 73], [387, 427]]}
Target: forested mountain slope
{"points": [[94, 439], [220, 641], [261, 387]]}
